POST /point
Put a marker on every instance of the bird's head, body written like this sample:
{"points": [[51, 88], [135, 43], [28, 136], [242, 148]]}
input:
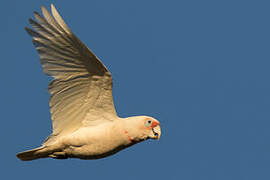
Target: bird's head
{"points": [[140, 128]]}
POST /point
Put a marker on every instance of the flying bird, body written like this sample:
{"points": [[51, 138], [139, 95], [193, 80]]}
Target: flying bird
{"points": [[85, 123]]}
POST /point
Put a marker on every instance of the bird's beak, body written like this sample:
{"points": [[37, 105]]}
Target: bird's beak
{"points": [[156, 132]]}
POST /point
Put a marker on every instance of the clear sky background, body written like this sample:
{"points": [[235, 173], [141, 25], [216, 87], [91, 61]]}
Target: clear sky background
{"points": [[202, 68]]}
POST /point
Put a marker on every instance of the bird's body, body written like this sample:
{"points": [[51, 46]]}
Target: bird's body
{"points": [[92, 142], [85, 123]]}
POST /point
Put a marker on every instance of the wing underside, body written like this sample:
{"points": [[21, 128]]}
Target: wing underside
{"points": [[81, 92]]}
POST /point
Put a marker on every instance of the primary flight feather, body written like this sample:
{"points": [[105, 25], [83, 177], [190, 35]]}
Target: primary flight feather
{"points": [[85, 123]]}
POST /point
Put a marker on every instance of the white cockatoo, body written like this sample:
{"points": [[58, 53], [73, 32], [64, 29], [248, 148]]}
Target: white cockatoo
{"points": [[85, 123]]}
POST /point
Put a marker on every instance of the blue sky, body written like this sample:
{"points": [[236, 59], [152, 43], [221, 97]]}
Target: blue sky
{"points": [[200, 67]]}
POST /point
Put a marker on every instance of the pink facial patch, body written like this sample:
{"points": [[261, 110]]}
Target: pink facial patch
{"points": [[129, 138]]}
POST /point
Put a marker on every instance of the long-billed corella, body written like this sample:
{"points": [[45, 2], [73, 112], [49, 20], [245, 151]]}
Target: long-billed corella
{"points": [[85, 123]]}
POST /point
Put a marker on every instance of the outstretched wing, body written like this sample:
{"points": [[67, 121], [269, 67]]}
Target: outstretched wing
{"points": [[81, 92]]}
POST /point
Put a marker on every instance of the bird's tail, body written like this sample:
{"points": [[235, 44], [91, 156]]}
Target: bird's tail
{"points": [[32, 154]]}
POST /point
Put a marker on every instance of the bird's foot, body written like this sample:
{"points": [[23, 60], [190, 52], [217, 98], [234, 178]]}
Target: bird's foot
{"points": [[59, 155]]}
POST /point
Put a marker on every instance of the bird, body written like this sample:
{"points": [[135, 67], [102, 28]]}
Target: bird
{"points": [[85, 124]]}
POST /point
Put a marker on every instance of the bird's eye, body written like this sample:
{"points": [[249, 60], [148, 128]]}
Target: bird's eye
{"points": [[148, 123]]}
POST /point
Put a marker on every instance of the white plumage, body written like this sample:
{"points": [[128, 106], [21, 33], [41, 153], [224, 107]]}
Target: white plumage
{"points": [[85, 123]]}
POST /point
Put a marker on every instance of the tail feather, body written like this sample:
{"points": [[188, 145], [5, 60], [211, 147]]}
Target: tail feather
{"points": [[33, 154]]}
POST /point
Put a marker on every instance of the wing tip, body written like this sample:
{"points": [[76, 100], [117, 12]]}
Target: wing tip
{"points": [[52, 6], [28, 30], [43, 8], [36, 13]]}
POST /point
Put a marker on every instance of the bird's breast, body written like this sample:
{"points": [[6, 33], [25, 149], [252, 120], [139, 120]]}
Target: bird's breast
{"points": [[95, 142]]}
